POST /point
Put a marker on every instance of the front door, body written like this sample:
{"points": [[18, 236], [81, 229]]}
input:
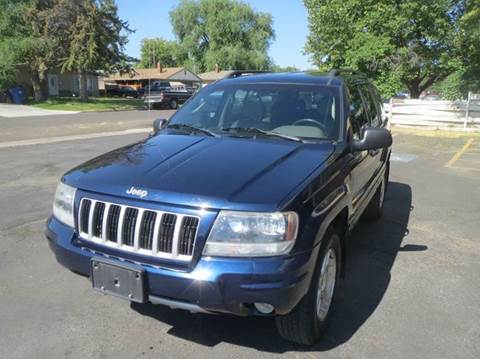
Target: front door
{"points": [[360, 173], [52, 85], [372, 101]]}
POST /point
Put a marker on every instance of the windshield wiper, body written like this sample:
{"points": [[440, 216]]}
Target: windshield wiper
{"points": [[257, 131], [182, 126]]}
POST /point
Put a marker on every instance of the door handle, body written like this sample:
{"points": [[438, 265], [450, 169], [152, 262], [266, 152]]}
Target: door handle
{"points": [[373, 153]]}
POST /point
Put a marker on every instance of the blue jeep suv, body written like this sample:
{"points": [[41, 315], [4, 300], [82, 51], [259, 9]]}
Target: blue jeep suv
{"points": [[240, 203]]}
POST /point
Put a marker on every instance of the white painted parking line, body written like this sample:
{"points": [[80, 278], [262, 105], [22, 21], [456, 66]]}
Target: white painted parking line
{"points": [[47, 140]]}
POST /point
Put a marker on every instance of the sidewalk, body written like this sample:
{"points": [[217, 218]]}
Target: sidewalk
{"points": [[38, 129], [9, 110]]}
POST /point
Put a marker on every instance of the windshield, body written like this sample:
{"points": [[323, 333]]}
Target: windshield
{"points": [[307, 112]]}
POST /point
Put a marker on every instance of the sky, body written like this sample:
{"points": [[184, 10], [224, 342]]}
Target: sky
{"points": [[150, 18]]}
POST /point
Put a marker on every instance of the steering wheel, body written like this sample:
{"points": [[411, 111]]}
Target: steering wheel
{"points": [[310, 121], [244, 121]]}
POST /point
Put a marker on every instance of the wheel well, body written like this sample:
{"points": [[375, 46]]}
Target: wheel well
{"points": [[340, 225]]}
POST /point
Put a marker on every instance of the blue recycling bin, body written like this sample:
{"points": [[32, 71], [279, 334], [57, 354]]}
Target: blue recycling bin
{"points": [[17, 94]]}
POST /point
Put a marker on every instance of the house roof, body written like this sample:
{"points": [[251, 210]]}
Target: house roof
{"points": [[166, 73], [215, 75]]}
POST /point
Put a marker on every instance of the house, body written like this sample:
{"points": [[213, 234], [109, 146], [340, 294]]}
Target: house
{"points": [[215, 75], [68, 84], [60, 84], [141, 77]]}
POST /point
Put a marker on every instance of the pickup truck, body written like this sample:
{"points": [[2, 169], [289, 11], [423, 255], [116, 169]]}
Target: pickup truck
{"points": [[160, 95], [241, 203]]}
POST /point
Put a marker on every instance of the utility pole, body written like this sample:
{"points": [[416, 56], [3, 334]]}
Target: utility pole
{"points": [[152, 59]]}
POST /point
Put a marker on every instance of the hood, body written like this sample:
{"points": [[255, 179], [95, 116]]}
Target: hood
{"points": [[209, 172]]}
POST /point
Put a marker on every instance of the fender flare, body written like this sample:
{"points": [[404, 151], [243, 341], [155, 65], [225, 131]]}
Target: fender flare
{"points": [[341, 202], [338, 204]]}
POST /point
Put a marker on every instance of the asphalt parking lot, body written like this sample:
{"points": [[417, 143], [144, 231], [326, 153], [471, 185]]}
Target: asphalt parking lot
{"points": [[412, 287]]}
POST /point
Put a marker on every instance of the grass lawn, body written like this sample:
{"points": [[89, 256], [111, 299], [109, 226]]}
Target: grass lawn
{"points": [[93, 104]]}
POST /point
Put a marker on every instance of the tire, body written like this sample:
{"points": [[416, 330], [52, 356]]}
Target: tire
{"points": [[173, 104], [374, 210], [307, 322]]}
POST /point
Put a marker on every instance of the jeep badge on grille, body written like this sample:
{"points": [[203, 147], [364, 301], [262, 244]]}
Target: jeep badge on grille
{"points": [[137, 192]]}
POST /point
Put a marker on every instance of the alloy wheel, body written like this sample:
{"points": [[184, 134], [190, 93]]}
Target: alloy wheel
{"points": [[326, 285]]}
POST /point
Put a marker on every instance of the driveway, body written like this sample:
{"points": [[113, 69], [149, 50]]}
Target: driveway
{"points": [[411, 288], [9, 110]]}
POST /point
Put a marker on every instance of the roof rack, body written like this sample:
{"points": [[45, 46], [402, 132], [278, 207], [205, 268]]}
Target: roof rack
{"points": [[340, 72], [238, 73]]}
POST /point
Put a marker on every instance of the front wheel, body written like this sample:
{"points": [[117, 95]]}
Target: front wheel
{"points": [[307, 322]]}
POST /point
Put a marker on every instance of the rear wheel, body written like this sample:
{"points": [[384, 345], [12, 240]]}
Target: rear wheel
{"points": [[173, 104], [306, 323]]}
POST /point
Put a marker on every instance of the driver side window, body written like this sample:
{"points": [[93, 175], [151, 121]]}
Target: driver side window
{"points": [[358, 113]]}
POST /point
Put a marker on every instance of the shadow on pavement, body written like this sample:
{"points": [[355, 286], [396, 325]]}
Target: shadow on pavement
{"points": [[372, 250]]}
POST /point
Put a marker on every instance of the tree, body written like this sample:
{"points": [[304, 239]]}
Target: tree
{"points": [[467, 75], [278, 68], [96, 42], [158, 50], [30, 41], [451, 88], [10, 14], [224, 32], [8, 58], [410, 43], [41, 35], [470, 45]]}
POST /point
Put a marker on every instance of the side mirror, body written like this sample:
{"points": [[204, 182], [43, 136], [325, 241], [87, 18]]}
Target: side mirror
{"points": [[159, 124], [373, 139]]}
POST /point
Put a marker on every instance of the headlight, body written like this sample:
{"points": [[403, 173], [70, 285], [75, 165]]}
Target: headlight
{"points": [[63, 204], [248, 234]]}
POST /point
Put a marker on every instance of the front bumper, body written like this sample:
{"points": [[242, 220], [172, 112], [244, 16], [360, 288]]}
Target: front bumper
{"points": [[217, 285]]}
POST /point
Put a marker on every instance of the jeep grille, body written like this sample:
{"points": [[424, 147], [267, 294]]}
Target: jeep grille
{"points": [[138, 230]]}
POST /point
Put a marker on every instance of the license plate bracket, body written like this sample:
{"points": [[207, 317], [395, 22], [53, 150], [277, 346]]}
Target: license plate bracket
{"points": [[123, 280]]}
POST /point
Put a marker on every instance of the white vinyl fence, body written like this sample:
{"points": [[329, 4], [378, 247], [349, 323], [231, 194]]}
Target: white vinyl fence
{"points": [[458, 115]]}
